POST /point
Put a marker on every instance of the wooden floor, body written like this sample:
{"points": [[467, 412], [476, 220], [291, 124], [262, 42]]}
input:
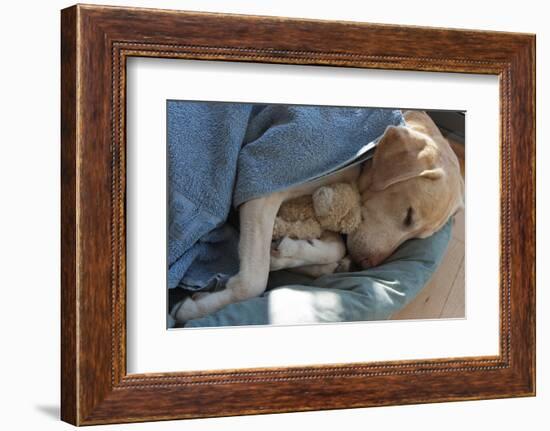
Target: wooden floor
{"points": [[443, 296]]}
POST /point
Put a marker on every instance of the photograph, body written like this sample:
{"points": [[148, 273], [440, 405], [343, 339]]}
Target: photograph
{"points": [[298, 214]]}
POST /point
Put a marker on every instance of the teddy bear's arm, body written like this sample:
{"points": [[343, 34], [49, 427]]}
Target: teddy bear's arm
{"points": [[300, 208], [300, 229]]}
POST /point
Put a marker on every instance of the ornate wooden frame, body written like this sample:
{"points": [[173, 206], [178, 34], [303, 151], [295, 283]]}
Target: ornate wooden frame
{"points": [[95, 43]]}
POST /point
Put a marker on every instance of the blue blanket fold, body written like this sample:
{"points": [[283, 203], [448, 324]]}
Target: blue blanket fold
{"points": [[223, 154], [288, 145]]}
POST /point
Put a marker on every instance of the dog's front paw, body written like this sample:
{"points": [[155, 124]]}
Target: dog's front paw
{"points": [[285, 252], [188, 310], [286, 247], [276, 263]]}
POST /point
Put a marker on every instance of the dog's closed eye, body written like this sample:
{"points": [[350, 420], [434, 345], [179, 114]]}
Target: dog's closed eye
{"points": [[409, 217]]}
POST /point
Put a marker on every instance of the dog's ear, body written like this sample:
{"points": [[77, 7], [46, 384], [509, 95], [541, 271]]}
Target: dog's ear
{"points": [[403, 154]]}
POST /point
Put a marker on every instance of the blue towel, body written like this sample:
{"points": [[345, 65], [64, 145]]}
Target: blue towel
{"points": [[221, 154]]}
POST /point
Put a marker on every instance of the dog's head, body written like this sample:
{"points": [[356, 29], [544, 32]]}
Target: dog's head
{"points": [[409, 190]]}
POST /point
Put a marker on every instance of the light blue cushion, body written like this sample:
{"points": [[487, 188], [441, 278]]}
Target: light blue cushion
{"points": [[373, 294]]}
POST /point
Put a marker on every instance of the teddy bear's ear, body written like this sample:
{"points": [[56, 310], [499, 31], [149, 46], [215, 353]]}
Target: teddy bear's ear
{"points": [[403, 154]]}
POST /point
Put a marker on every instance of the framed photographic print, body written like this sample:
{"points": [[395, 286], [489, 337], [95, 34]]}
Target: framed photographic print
{"points": [[322, 214]]}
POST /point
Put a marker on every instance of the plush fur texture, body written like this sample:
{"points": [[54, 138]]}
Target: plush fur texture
{"points": [[335, 207]]}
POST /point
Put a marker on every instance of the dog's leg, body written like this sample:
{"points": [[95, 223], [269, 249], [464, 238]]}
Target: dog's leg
{"points": [[343, 265], [257, 218], [316, 271], [292, 253]]}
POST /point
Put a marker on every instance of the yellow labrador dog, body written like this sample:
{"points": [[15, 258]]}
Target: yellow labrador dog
{"points": [[409, 189]]}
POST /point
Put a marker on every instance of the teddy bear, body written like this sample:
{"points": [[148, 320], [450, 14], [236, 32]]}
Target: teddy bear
{"points": [[336, 207]]}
